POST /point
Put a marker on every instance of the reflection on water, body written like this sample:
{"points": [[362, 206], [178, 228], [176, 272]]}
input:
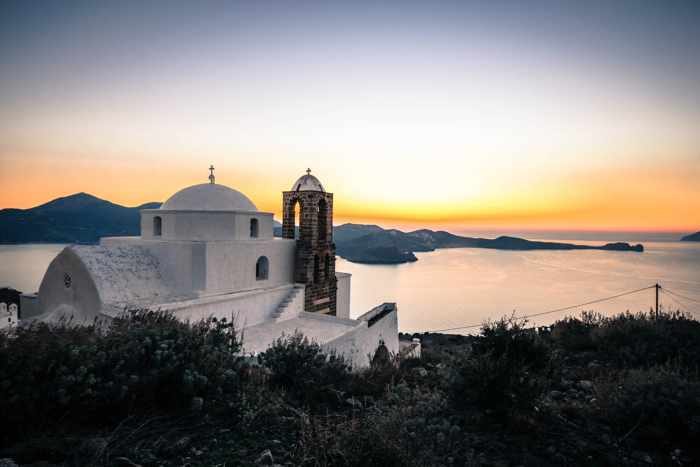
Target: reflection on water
{"points": [[448, 288]]}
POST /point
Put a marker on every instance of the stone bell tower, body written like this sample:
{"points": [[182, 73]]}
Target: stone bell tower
{"points": [[315, 253]]}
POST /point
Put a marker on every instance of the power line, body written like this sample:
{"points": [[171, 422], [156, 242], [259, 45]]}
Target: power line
{"points": [[557, 310], [682, 296], [683, 306]]}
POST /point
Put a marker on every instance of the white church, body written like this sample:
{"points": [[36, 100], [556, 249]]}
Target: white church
{"points": [[208, 251]]}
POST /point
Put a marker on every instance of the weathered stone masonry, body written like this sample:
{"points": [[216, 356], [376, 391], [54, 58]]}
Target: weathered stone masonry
{"points": [[315, 252]]}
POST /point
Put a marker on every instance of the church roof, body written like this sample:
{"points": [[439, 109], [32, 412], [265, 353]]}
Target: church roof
{"points": [[209, 197], [124, 275], [307, 183]]}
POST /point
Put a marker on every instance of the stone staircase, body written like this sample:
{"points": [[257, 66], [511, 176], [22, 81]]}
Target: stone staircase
{"points": [[291, 305]]}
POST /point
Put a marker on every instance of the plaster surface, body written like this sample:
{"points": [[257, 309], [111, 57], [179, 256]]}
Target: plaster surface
{"points": [[358, 345], [343, 291], [259, 338]]}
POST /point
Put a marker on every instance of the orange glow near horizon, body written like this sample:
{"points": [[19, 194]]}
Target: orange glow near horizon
{"points": [[652, 199]]}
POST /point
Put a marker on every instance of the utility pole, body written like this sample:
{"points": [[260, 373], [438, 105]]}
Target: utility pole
{"points": [[657, 287]]}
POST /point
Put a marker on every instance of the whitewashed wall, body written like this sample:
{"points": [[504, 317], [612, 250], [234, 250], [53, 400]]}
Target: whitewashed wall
{"points": [[246, 308], [358, 346], [242, 226], [225, 266], [343, 296], [231, 265], [205, 225], [80, 299]]}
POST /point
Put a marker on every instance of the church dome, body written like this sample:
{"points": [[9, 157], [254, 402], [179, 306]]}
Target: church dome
{"points": [[208, 197], [307, 183]]}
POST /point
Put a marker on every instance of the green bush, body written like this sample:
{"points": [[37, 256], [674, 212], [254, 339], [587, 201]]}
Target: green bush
{"points": [[349, 441], [642, 341], [575, 334], [307, 374], [508, 369], [627, 340], [592, 391], [142, 362], [408, 426], [652, 408], [383, 372]]}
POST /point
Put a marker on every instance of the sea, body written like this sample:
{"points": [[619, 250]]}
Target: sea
{"points": [[460, 289]]}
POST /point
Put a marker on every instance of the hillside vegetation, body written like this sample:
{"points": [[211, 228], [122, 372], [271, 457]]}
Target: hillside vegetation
{"points": [[150, 390]]}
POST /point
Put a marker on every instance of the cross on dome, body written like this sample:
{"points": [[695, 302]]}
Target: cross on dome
{"points": [[308, 171], [211, 174]]}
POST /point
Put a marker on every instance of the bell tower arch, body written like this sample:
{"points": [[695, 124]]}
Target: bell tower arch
{"points": [[315, 252]]}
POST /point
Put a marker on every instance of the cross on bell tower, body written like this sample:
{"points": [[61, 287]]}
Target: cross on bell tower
{"points": [[212, 179]]}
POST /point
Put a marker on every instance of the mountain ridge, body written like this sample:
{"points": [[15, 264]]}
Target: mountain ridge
{"points": [[77, 218], [394, 246], [84, 218]]}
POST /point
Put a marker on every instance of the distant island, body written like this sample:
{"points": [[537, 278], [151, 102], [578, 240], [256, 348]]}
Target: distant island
{"points": [[372, 244], [692, 237], [83, 218]]}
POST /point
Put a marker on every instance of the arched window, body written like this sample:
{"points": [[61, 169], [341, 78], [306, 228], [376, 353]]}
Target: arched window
{"points": [[327, 267], [253, 228], [296, 217], [262, 268], [317, 269], [157, 226], [322, 220], [291, 220]]}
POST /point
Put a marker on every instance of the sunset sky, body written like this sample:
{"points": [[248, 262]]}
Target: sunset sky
{"points": [[561, 115]]}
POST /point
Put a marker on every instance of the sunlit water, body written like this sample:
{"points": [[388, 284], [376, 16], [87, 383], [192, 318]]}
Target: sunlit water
{"points": [[456, 287]]}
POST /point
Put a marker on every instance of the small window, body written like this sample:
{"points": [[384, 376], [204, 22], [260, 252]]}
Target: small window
{"points": [[157, 226], [253, 228], [262, 268]]}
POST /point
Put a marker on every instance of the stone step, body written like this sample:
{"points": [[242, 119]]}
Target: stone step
{"points": [[284, 306]]}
